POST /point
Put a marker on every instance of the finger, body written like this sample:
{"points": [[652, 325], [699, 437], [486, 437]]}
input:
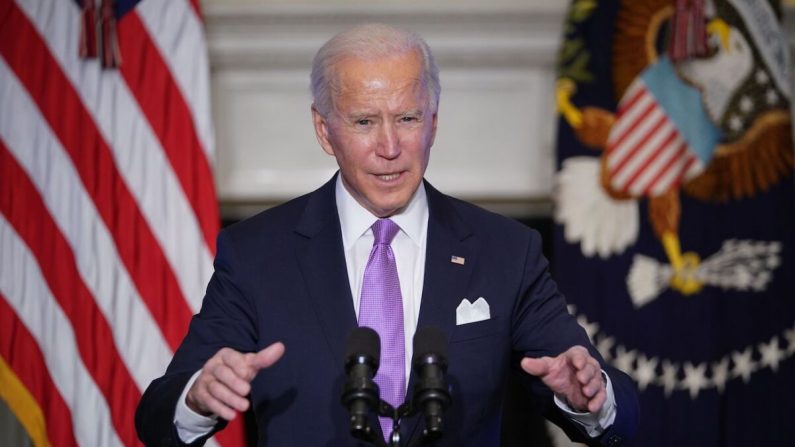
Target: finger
{"points": [[577, 356], [227, 397], [267, 357], [218, 408], [238, 362], [536, 367], [595, 404], [588, 373], [200, 400], [227, 376], [593, 386]]}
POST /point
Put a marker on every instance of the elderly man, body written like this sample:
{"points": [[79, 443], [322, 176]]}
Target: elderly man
{"points": [[378, 246]]}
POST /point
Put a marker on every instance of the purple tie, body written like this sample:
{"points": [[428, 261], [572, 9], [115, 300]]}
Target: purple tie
{"points": [[381, 308]]}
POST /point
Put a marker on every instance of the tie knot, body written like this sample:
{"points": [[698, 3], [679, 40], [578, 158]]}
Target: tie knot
{"points": [[384, 230]]}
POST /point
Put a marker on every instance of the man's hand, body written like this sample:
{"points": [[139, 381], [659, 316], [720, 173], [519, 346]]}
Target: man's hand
{"points": [[574, 376], [225, 381]]}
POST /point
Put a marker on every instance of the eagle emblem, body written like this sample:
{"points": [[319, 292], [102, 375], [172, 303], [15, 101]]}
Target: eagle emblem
{"points": [[703, 96]]}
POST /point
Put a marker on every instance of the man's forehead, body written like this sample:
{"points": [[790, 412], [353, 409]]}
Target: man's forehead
{"points": [[375, 87], [402, 68], [363, 82], [411, 99]]}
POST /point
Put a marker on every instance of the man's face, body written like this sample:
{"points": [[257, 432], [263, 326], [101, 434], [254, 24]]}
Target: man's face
{"points": [[380, 129]]}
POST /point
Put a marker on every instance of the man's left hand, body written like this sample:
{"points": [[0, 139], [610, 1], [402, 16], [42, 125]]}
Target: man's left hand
{"points": [[574, 376]]}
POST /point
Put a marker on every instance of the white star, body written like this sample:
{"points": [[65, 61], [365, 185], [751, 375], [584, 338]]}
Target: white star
{"points": [[604, 344], [735, 123], [590, 328], [772, 261], [771, 97], [761, 77], [771, 354], [720, 374], [744, 365], [646, 371], [789, 334], [624, 359], [695, 378], [746, 104], [668, 378], [742, 278]]}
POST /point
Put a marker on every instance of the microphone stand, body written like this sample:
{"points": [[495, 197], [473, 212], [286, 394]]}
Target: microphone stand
{"points": [[364, 432], [431, 395]]}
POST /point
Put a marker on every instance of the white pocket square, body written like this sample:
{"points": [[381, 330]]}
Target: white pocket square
{"points": [[467, 312]]}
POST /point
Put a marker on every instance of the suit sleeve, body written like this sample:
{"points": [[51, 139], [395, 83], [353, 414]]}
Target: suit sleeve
{"points": [[542, 326], [227, 319]]}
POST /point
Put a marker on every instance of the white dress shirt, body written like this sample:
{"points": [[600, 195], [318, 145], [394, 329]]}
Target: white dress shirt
{"points": [[409, 246]]}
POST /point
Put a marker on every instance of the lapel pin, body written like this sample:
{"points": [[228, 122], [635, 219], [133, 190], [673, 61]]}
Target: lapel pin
{"points": [[457, 260]]}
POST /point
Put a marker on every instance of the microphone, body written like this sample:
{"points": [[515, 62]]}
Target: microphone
{"points": [[430, 365], [360, 393]]}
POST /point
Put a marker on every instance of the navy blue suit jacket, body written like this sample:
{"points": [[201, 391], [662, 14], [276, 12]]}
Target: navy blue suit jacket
{"points": [[281, 276]]}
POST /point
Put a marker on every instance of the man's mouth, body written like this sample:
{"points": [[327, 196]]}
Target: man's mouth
{"points": [[388, 177]]}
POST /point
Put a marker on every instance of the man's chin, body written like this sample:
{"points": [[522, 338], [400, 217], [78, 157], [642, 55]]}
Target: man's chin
{"points": [[383, 212], [384, 202], [389, 208]]}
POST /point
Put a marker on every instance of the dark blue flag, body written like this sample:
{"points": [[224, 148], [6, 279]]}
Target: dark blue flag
{"points": [[675, 211]]}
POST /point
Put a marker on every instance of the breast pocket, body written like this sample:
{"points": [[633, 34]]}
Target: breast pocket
{"points": [[477, 362], [478, 329]]}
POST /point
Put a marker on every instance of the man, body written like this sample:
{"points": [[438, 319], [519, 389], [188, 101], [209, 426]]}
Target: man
{"points": [[292, 282]]}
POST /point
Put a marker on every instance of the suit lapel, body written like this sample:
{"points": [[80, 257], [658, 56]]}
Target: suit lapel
{"points": [[445, 281], [322, 262]]}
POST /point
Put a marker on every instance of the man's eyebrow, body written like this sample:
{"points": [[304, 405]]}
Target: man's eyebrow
{"points": [[361, 114], [414, 112]]}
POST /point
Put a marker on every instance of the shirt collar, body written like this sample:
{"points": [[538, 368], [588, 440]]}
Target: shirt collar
{"points": [[355, 220]]}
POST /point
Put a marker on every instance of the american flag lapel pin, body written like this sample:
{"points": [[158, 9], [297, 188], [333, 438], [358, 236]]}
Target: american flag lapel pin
{"points": [[457, 260]]}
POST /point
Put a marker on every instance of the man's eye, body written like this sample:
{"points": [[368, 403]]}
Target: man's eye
{"points": [[408, 119], [364, 122]]}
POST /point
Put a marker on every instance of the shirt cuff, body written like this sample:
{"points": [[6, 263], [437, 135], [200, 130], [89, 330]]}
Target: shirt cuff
{"points": [[594, 423], [191, 425]]}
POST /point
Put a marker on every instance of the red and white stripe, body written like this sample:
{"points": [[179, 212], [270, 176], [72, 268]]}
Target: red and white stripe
{"points": [[646, 153], [26, 358], [41, 313], [108, 233]]}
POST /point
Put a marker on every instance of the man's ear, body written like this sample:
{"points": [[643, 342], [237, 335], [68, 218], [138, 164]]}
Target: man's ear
{"points": [[322, 131]]}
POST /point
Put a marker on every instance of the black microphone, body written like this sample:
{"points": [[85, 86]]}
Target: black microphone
{"points": [[430, 364], [360, 393]]}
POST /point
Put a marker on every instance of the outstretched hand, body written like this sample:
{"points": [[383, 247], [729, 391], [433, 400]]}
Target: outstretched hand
{"points": [[225, 381], [574, 376]]}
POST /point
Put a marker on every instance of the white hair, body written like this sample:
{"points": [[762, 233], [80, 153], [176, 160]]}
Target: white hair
{"points": [[370, 42]]}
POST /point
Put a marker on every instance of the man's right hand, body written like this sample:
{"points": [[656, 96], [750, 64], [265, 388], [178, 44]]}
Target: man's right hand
{"points": [[225, 381]]}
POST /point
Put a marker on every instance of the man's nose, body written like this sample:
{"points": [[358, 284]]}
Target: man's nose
{"points": [[388, 142]]}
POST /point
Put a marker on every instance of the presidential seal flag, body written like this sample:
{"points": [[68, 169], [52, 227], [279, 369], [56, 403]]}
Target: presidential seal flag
{"points": [[675, 210], [108, 213]]}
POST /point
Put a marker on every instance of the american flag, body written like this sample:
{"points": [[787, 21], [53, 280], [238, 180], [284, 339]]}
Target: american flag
{"points": [[655, 144], [108, 213]]}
